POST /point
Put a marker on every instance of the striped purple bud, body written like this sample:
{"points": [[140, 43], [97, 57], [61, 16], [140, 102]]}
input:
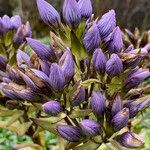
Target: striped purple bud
{"points": [[135, 78], [2, 27], [107, 23], [79, 96], [7, 23], [16, 22], [3, 63], [45, 67], [67, 65], [52, 108], [130, 140], [23, 58], [56, 77], [92, 39], [19, 36], [115, 42], [99, 61], [70, 133], [97, 103], [48, 13], [85, 7], [114, 66], [116, 106], [90, 127], [27, 30], [43, 51], [120, 120], [130, 48], [71, 13]]}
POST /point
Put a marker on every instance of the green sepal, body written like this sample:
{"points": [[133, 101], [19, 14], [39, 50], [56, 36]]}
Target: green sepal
{"points": [[88, 82], [9, 38]]}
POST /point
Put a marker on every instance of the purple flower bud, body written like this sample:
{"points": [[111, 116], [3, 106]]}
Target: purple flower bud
{"points": [[2, 27], [71, 13], [135, 78], [28, 32], [52, 107], [45, 67], [42, 50], [129, 140], [19, 36], [116, 106], [56, 77], [130, 48], [115, 43], [67, 65], [97, 103], [16, 22], [6, 80], [85, 7], [120, 120], [6, 22], [107, 23], [79, 96], [114, 66], [22, 58], [92, 39], [3, 63], [48, 13], [99, 61], [70, 133], [90, 127]]}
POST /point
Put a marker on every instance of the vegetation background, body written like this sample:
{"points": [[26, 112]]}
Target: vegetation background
{"points": [[130, 14]]}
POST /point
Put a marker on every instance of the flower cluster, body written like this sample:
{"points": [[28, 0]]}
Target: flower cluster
{"points": [[86, 75]]}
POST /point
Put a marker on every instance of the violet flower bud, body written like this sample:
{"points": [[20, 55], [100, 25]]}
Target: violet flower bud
{"points": [[56, 77], [27, 32], [45, 67], [129, 140], [114, 66], [116, 106], [130, 48], [79, 96], [19, 36], [70, 133], [97, 103], [107, 23], [6, 22], [115, 42], [71, 13], [92, 39], [52, 108], [16, 22], [85, 7], [90, 127], [42, 50], [67, 65], [135, 78], [2, 27], [99, 61], [3, 63], [22, 58], [120, 120], [48, 13]]}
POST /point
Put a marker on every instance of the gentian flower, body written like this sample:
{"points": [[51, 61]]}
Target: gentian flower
{"points": [[16, 22], [92, 39], [99, 61], [97, 103], [71, 13], [85, 7], [52, 107], [129, 140], [48, 13], [70, 133], [90, 127], [107, 23], [114, 66]]}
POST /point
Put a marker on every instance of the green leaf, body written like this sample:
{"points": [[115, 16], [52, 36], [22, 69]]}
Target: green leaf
{"points": [[88, 82], [80, 113], [3, 50], [8, 38], [76, 47]]}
